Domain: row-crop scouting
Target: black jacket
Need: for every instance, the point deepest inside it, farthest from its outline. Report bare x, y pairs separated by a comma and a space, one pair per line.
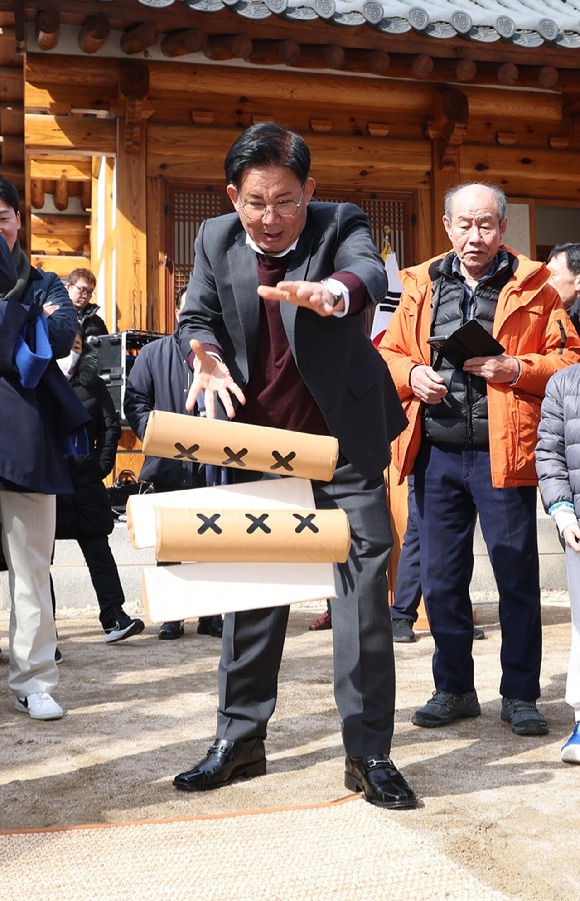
87, 513
159, 380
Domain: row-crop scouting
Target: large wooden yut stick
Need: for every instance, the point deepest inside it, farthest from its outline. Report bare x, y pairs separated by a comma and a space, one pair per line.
252, 536
239, 446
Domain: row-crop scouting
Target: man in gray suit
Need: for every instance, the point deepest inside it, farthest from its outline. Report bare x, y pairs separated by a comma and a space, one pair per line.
274, 323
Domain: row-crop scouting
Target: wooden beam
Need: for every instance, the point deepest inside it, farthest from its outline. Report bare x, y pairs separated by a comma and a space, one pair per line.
12, 119
55, 167
230, 82
179, 43
83, 135
86, 196
134, 87
59, 234
11, 150
61, 264
139, 38
270, 53
47, 29
227, 46
61, 194
134, 80
36, 187
535, 169
94, 33
508, 74
319, 56
449, 124
175, 151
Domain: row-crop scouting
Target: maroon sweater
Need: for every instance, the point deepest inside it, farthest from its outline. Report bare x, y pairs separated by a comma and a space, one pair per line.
276, 394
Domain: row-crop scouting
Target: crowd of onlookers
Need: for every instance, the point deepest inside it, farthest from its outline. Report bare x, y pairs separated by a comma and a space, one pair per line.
474, 391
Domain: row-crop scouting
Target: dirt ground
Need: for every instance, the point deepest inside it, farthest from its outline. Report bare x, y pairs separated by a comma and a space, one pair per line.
504, 807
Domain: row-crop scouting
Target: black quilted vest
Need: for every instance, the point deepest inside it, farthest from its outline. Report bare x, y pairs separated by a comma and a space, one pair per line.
461, 420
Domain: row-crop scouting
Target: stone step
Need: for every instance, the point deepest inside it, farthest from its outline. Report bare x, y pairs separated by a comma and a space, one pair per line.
73, 586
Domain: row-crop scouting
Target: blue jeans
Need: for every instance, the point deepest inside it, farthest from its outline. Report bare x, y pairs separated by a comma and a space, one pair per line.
451, 487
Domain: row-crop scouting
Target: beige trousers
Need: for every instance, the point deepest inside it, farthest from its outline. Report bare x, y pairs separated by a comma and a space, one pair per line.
28, 525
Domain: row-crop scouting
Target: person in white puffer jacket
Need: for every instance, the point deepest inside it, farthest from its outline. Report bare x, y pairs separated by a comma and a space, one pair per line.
558, 467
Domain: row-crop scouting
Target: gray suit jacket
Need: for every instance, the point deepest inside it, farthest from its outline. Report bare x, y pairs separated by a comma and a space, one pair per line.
345, 374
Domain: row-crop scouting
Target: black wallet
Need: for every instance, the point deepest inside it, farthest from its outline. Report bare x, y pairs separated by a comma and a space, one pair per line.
471, 340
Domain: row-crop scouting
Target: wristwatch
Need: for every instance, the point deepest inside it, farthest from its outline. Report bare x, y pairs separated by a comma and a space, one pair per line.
335, 292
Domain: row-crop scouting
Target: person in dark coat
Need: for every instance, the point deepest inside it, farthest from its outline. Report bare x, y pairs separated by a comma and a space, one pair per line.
160, 380
274, 324
564, 264
38, 413
86, 515
81, 285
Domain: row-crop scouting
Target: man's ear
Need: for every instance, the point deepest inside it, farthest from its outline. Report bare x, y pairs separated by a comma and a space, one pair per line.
502, 230
309, 189
577, 285
233, 195
447, 226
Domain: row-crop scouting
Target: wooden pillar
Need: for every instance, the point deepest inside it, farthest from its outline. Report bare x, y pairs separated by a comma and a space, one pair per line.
442, 179
131, 228
447, 131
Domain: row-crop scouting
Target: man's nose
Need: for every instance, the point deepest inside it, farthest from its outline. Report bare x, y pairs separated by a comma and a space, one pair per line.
270, 212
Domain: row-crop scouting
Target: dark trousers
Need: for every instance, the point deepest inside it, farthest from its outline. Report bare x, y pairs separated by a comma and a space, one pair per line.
451, 488
407, 596
105, 578
364, 679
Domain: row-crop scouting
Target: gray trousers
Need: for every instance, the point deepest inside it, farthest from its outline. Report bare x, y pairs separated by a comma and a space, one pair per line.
573, 680
364, 674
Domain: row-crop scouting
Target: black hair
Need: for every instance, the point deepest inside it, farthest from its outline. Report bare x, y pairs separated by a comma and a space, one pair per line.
572, 254
92, 325
267, 144
9, 194
179, 296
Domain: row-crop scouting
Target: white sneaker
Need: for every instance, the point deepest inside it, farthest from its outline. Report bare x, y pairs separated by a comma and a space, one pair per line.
40, 706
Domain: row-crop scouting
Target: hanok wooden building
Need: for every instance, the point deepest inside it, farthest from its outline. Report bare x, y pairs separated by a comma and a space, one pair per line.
115, 116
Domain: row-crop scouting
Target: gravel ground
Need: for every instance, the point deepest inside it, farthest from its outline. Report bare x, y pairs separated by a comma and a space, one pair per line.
504, 807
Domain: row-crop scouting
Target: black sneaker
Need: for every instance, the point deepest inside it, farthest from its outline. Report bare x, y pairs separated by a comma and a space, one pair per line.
403, 630
444, 708
171, 631
523, 717
125, 627
57, 656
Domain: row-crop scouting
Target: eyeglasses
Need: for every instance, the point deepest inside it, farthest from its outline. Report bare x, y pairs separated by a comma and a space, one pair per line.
253, 209
86, 292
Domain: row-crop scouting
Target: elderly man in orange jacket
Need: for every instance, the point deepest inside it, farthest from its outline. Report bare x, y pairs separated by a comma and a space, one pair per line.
470, 444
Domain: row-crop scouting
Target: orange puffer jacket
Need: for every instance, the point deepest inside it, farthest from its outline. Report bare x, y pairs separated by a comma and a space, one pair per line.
531, 324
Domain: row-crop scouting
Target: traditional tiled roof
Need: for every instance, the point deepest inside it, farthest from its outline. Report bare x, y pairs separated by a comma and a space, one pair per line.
526, 23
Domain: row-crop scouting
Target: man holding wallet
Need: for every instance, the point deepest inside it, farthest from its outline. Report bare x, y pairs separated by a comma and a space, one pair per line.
476, 336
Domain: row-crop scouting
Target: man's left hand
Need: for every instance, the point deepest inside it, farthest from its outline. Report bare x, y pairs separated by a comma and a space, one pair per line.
312, 295
501, 368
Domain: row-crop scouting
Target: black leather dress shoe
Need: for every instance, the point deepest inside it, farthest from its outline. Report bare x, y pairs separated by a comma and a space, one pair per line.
225, 761
380, 782
210, 625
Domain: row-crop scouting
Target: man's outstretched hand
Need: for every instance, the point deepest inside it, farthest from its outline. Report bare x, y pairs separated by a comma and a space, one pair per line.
212, 377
